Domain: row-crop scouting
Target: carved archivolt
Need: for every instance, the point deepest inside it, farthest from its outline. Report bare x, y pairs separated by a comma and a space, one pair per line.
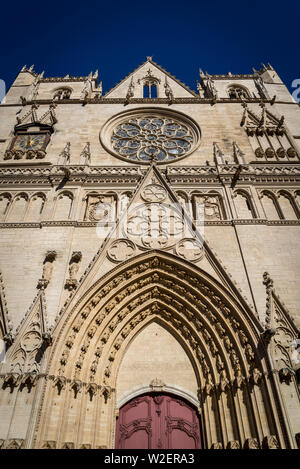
219, 336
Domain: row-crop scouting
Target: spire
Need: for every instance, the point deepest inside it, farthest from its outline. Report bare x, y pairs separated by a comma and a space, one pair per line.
86, 153
238, 155
245, 115
218, 154
130, 92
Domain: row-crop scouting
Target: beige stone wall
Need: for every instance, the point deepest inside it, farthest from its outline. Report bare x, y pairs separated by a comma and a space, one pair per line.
155, 354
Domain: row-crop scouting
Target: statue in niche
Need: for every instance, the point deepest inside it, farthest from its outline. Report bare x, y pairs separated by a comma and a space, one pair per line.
207, 206
71, 282
100, 208
124, 201
47, 269
73, 269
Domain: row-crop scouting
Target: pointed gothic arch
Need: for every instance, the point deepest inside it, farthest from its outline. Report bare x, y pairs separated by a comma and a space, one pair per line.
215, 327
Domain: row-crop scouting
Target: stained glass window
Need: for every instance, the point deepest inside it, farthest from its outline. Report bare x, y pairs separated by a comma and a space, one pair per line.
149, 138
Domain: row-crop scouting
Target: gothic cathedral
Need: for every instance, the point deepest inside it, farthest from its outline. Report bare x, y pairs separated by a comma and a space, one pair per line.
150, 262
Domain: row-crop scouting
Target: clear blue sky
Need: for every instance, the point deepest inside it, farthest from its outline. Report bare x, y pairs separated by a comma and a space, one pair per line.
115, 37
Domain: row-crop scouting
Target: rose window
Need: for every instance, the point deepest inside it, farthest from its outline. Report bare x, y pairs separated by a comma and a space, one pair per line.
152, 138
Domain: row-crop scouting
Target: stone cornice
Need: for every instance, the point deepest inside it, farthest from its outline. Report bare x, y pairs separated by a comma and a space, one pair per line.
253, 172
64, 79
80, 174
90, 224
233, 77
193, 100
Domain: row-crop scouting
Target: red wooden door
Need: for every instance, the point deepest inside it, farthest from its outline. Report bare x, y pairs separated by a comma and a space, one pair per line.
158, 421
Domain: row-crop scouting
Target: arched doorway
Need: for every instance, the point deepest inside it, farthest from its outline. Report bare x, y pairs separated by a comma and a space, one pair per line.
158, 421
219, 334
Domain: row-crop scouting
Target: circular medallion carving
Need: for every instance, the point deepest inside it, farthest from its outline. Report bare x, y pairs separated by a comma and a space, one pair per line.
121, 250
144, 136
155, 226
154, 193
190, 249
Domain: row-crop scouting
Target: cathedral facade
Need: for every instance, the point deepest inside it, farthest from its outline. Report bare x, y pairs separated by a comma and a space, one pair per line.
150, 262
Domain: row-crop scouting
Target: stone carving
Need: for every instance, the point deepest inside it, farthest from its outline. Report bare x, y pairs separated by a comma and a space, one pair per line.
154, 193
85, 155
157, 385
271, 442
49, 445
286, 375
190, 249
12, 380
130, 91
209, 86
233, 445
15, 444
101, 208
281, 333
121, 250
183, 305
65, 155
217, 446
218, 154
124, 202
68, 445
251, 443
207, 207
155, 226
62, 93
72, 282
168, 91
5, 321
267, 124
32, 339
47, 270
87, 88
